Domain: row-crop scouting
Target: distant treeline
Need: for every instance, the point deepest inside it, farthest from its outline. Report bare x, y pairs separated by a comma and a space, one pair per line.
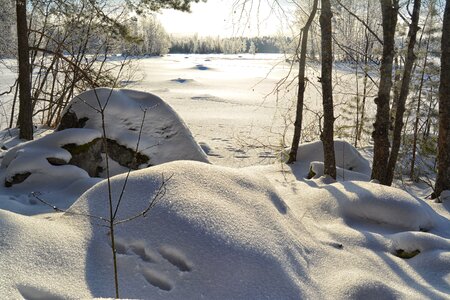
205, 45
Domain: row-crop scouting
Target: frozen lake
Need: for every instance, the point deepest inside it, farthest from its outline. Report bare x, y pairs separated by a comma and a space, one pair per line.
230, 102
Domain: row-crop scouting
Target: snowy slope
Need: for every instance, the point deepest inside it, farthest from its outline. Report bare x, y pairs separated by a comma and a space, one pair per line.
219, 233
223, 233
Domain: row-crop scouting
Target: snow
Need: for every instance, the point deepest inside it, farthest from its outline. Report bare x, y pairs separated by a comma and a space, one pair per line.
381, 204
216, 228
219, 232
61, 184
164, 137
41, 258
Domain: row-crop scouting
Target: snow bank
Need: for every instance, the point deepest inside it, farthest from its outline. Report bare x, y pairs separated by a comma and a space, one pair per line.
382, 204
222, 233
33, 157
350, 165
219, 233
164, 138
42, 259
347, 157
59, 184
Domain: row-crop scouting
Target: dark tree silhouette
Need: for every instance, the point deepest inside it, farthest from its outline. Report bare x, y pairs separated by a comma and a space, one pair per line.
443, 176
327, 138
380, 135
25, 122
301, 85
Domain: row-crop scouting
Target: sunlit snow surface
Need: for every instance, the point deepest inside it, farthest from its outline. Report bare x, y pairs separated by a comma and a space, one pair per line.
261, 232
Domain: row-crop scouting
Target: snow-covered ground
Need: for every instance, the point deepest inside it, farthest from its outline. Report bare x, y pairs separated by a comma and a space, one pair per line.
221, 231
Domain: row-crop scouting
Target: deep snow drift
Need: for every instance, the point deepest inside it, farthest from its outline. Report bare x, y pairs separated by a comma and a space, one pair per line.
224, 233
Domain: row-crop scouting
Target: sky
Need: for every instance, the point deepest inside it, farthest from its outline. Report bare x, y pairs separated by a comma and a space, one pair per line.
225, 18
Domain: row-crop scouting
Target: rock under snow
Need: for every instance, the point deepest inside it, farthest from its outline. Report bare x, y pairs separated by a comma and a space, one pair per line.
163, 137
350, 165
44, 167
45, 160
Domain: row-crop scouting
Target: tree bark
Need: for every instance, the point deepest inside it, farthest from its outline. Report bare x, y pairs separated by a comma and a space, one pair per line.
404, 91
25, 106
380, 135
301, 86
327, 138
418, 108
443, 175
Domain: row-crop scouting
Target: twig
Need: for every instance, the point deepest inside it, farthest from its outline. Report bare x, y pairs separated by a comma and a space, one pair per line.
159, 194
57, 209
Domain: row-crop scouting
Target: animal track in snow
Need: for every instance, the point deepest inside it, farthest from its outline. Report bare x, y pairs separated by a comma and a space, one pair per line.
157, 279
161, 270
139, 250
176, 258
32, 293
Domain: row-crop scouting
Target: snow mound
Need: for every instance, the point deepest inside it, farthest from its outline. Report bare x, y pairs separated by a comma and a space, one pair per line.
347, 156
34, 157
422, 241
316, 170
218, 232
41, 166
165, 137
382, 204
41, 259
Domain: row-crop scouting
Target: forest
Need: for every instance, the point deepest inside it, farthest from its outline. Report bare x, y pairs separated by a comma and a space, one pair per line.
327, 141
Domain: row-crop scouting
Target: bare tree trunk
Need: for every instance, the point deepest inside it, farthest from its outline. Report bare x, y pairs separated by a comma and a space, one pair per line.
301, 86
396, 87
355, 143
329, 161
419, 104
366, 75
25, 108
404, 90
380, 135
443, 175
13, 109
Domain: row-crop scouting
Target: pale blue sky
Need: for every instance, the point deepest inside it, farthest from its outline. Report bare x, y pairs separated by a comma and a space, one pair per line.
224, 18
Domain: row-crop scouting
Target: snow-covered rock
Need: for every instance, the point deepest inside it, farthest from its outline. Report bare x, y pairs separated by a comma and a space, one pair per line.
44, 167
350, 164
163, 137
45, 161
347, 157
